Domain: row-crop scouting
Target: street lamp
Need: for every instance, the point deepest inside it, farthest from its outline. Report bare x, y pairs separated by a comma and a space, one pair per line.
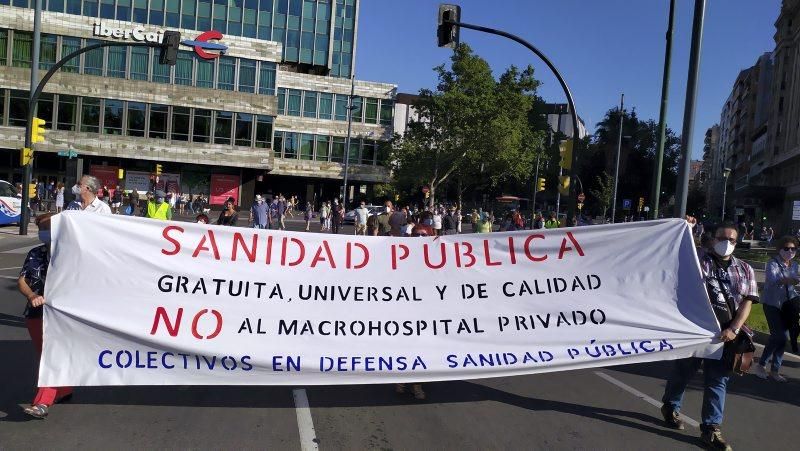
725, 174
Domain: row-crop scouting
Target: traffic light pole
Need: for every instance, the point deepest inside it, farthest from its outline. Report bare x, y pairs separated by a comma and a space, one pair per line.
572, 203
34, 98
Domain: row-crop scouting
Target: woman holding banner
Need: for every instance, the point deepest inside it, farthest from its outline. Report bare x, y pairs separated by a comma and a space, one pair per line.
31, 284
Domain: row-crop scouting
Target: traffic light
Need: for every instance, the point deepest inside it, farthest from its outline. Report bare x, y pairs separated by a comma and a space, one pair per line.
26, 156
169, 48
563, 185
641, 203
447, 32
565, 149
37, 130
540, 184
158, 169
121, 174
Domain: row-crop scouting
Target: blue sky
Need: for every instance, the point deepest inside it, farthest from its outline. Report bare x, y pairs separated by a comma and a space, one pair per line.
601, 47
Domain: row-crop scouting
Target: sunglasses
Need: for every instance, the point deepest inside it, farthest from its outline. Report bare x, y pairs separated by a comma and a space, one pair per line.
790, 249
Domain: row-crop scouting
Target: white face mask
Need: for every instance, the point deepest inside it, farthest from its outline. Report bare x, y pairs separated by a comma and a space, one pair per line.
787, 255
76, 190
724, 248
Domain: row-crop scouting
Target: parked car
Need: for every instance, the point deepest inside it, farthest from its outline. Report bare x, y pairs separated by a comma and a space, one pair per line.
350, 216
10, 204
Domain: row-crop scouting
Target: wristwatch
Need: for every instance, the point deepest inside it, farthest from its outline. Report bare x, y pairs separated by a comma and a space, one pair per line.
736, 331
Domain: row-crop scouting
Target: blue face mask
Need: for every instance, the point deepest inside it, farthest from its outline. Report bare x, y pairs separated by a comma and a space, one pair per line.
44, 236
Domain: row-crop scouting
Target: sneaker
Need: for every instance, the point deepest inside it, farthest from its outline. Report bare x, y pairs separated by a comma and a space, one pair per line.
419, 395
672, 418
760, 371
777, 377
712, 437
39, 411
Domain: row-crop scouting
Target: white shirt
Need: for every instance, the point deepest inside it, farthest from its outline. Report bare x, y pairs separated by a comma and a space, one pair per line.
437, 221
361, 215
96, 206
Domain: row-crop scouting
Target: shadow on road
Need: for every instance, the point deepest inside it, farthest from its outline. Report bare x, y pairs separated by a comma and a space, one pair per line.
11, 320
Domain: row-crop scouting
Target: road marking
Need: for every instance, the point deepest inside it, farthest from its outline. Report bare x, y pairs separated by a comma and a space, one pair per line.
9, 277
12, 267
308, 437
20, 250
793, 356
642, 396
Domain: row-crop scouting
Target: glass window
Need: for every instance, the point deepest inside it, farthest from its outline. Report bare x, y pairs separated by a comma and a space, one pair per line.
201, 132
309, 104
21, 50
173, 13
371, 111
244, 130
290, 145
158, 121
281, 100
73, 6
227, 70
19, 3
222, 127
220, 13
140, 59
205, 72
249, 18
93, 60
137, 112
306, 147
56, 6
67, 112
180, 123
112, 117
235, 17
44, 109
140, 11
183, 69
160, 71
337, 153
2, 106
3, 48
368, 152
266, 82
325, 105
358, 109
204, 14
69, 45
387, 112
247, 75
90, 115
293, 103
188, 14
90, 8
323, 148
278, 144
116, 61
107, 9
355, 144
123, 9
47, 51
156, 12
263, 131
341, 107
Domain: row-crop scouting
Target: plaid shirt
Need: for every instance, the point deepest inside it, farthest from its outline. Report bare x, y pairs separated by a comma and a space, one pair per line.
743, 278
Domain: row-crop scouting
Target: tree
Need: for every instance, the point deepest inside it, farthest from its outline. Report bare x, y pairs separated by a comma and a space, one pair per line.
604, 192
472, 128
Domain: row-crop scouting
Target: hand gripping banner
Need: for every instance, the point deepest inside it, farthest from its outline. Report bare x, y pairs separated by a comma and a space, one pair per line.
132, 301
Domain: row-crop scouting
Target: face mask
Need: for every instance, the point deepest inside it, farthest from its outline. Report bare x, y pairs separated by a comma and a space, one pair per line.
724, 248
159, 200
44, 236
786, 255
76, 190
201, 222
388, 210
260, 201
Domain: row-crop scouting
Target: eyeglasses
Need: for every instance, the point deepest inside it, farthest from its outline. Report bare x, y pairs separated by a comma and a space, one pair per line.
790, 249
730, 240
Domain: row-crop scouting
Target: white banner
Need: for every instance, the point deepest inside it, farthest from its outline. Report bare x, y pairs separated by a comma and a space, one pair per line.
196, 304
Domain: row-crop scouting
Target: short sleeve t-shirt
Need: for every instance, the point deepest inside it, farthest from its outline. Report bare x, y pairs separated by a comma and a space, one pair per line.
34, 270
259, 211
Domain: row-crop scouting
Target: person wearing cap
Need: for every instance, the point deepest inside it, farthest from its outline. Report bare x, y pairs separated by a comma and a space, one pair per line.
259, 213
158, 209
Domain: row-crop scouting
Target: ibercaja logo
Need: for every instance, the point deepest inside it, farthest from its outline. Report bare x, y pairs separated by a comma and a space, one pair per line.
204, 47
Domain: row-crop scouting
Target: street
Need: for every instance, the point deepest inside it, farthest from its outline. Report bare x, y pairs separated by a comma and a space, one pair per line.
610, 408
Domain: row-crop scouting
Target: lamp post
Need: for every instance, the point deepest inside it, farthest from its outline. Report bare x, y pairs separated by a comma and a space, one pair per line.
616, 167
725, 174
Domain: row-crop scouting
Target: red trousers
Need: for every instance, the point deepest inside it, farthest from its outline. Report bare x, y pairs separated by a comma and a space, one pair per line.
46, 395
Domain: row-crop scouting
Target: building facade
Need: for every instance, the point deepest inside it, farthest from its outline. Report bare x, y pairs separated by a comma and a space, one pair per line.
257, 102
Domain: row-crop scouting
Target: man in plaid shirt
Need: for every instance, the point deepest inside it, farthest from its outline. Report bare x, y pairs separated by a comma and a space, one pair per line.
732, 289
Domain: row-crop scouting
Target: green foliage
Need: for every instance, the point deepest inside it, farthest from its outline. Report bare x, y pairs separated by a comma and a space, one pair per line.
472, 127
604, 192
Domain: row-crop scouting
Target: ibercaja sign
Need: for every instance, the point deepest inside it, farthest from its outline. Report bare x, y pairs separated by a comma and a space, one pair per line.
206, 44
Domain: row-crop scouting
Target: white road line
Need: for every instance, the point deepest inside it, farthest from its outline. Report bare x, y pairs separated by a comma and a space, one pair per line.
20, 250
9, 277
785, 354
642, 396
12, 267
308, 437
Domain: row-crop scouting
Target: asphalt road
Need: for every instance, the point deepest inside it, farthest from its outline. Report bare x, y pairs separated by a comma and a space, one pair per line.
608, 408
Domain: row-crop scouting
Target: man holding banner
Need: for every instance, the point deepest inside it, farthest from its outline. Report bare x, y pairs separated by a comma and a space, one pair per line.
732, 290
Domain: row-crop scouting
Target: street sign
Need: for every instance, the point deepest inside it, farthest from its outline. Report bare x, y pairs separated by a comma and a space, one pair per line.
646, 209
626, 204
67, 153
581, 197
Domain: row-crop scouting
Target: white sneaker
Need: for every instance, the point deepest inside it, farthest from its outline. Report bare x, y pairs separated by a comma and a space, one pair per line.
760, 371
777, 377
